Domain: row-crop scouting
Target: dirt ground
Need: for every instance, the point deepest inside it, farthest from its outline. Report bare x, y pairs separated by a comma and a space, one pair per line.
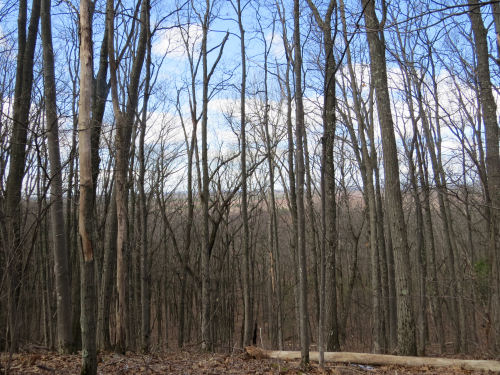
192, 362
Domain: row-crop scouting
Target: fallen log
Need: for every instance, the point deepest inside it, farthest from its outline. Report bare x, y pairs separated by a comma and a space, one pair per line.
380, 359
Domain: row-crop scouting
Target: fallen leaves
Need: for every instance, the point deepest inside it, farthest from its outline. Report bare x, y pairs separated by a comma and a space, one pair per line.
193, 363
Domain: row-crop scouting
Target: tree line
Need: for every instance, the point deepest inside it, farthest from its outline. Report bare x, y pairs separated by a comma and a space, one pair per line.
221, 173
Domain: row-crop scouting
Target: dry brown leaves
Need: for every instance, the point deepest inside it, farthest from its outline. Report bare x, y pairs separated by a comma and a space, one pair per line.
192, 362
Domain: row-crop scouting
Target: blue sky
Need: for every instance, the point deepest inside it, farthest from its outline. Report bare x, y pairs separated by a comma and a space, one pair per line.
449, 33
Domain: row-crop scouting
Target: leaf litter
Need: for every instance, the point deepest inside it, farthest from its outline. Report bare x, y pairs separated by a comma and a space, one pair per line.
194, 363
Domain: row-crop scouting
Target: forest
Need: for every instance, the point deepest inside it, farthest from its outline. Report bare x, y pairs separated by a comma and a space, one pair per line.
313, 175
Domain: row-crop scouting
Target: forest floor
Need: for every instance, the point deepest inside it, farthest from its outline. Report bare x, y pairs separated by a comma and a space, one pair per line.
193, 362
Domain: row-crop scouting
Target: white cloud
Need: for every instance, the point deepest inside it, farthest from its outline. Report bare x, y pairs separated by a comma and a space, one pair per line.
277, 46
174, 40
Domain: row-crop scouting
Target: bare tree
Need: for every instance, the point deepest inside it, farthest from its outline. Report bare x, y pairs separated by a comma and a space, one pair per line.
22, 103
248, 321
328, 204
61, 249
85, 215
143, 206
367, 161
124, 125
275, 297
489, 112
205, 21
285, 85
299, 162
375, 36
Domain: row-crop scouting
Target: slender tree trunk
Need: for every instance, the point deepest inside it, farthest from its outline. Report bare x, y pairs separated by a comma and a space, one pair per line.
61, 264
299, 161
489, 111
248, 320
22, 103
187, 233
273, 225
121, 268
329, 205
469, 245
124, 126
329, 127
85, 224
406, 322
182, 310
455, 307
429, 234
109, 264
386, 260
206, 242
495, 7
206, 339
420, 241
311, 231
101, 91
367, 164
143, 216
421, 255
72, 217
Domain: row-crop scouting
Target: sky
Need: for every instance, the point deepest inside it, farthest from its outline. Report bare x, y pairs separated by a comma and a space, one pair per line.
449, 33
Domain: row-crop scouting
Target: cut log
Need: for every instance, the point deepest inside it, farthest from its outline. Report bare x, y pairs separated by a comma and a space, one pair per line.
380, 359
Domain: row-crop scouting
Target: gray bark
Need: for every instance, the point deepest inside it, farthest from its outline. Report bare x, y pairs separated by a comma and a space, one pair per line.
273, 222
206, 242
206, 339
60, 246
106, 287
124, 124
406, 322
143, 215
248, 320
22, 103
329, 206
456, 306
85, 223
292, 196
299, 162
489, 109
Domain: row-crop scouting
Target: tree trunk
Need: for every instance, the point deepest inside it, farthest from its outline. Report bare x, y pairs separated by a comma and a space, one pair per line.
299, 162
495, 7
274, 253
429, 234
328, 202
206, 241
22, 104
143, 215
292, 195
109, 265
311, 228
60, 247
248, 320
101, 91
406, 322
206, 339
85, 224
420, 241
489, 111
456, 306
367, 165
124, 125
